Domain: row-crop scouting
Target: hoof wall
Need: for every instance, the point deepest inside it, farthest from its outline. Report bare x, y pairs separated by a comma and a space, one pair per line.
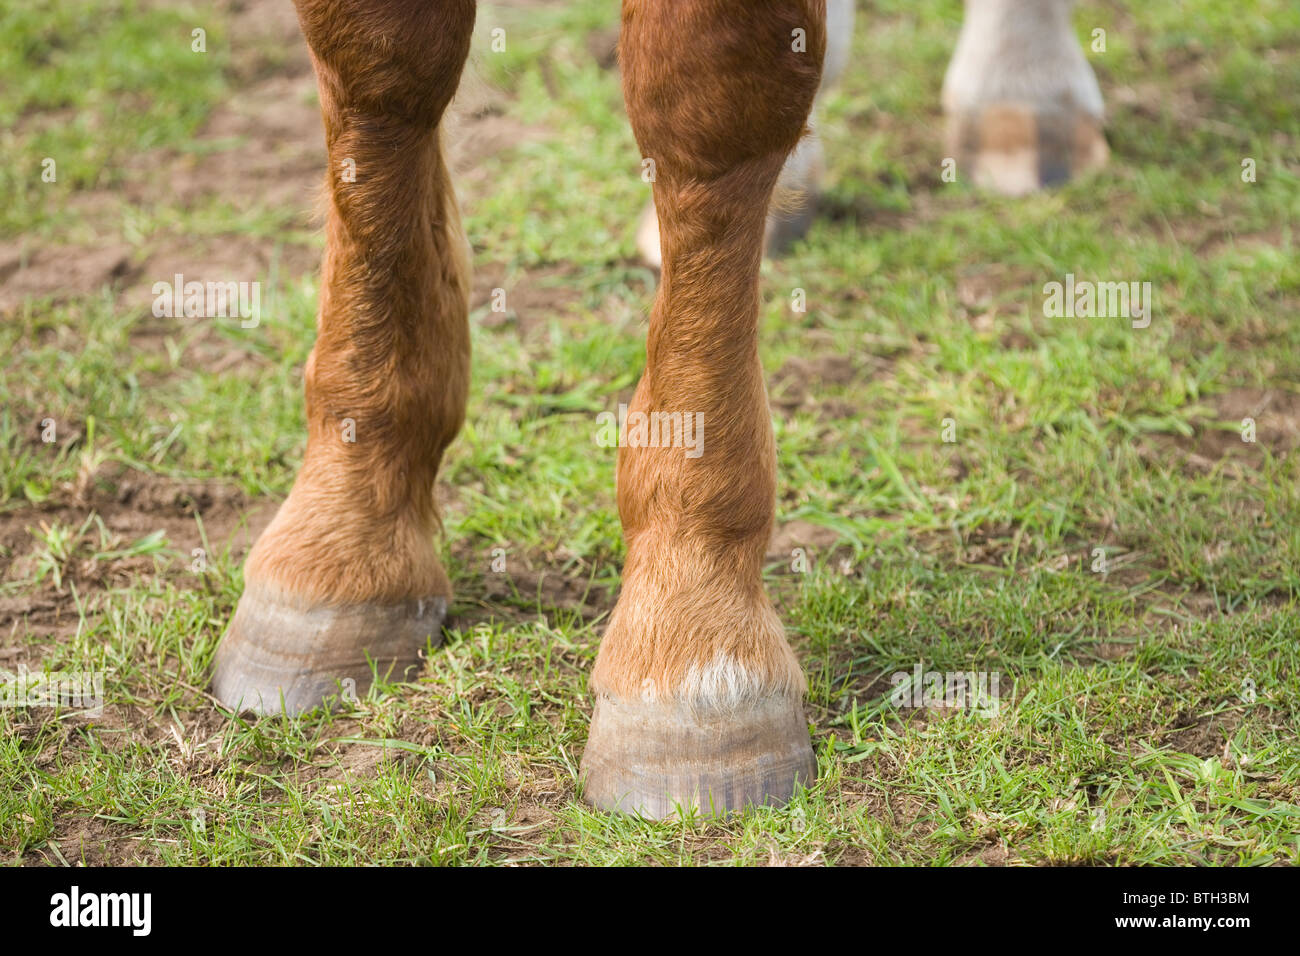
785, 227
281, 655
1013, 150
661, 758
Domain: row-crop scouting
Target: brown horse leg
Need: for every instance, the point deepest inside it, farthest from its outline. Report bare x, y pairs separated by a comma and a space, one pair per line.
347, 571
698, 696
797, 188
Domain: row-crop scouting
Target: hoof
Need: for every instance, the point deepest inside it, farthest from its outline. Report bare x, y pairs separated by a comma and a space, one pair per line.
794, 202
658, 758
786, 226
282, 655
1014, 150
647, 238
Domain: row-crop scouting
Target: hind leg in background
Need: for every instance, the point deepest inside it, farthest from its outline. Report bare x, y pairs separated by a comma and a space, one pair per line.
699, 699
1023, 107
347, 572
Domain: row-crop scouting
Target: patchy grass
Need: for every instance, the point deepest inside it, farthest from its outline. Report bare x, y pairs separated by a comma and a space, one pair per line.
1147, 711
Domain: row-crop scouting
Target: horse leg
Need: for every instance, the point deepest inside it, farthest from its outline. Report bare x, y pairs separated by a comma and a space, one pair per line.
1024, 110
347, 572
698, 695
791, 215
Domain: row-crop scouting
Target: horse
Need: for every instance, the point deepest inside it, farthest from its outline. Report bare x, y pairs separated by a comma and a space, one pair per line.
698, 698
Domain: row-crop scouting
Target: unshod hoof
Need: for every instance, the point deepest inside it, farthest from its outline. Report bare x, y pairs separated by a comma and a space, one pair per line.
660, 757
286, 655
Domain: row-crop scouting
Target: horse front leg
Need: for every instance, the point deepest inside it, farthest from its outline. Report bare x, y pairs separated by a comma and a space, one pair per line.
699, 699
347, 571
799, 185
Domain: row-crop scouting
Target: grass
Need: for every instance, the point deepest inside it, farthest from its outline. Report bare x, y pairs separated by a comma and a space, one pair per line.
1148, 712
